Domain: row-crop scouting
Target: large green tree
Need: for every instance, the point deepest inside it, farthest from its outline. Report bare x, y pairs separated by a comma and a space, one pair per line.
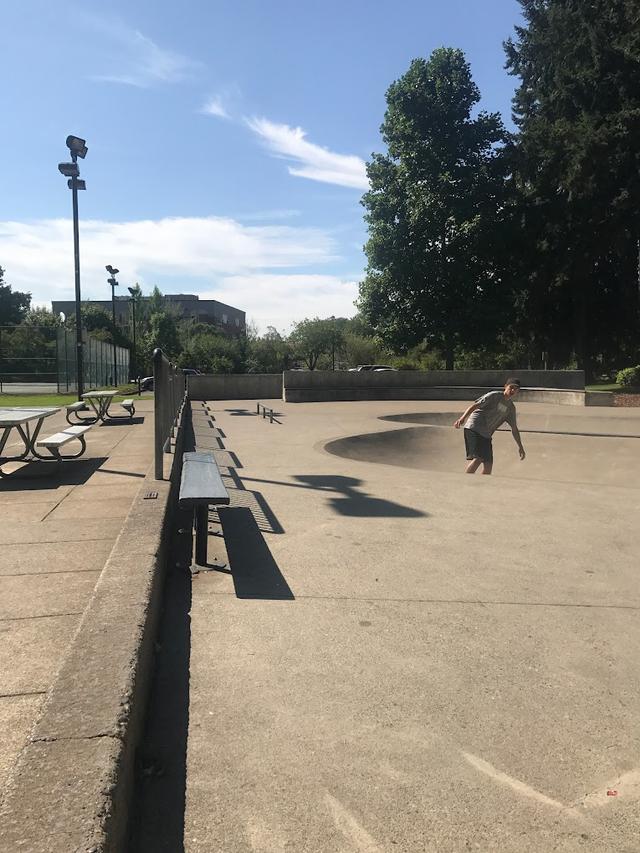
577, 166
433, 212
13, 304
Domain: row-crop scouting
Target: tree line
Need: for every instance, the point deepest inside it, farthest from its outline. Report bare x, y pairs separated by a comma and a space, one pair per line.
514, 249
323, 344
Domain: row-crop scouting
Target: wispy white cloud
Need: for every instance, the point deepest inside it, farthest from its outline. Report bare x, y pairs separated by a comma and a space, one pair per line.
313, 161
256, 268
214, 106
138, 59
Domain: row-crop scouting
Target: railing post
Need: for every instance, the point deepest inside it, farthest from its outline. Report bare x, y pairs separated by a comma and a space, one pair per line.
158, 414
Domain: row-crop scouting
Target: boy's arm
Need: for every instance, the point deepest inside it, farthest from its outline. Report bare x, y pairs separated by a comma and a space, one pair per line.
515, 432
472, 408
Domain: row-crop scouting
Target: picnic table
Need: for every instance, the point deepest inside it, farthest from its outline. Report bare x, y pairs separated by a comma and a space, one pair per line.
27, 421
99, 401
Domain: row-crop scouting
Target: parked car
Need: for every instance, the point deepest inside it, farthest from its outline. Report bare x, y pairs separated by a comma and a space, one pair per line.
191, 371
361, 367
146, 384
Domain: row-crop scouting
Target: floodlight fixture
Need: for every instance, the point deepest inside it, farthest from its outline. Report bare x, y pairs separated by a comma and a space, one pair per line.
132, 291
69, 170
77, 146
111, 270
80, 184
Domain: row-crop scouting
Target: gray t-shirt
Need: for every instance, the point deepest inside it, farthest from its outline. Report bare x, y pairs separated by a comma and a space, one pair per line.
493, 410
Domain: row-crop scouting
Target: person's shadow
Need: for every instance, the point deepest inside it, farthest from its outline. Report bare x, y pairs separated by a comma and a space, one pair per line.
350, 501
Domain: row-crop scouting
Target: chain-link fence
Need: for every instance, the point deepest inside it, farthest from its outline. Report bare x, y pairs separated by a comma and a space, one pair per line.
44, 358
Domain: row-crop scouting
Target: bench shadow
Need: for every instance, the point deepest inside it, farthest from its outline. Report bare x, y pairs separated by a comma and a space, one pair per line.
122, 421
36, 475
161, 762
255, 572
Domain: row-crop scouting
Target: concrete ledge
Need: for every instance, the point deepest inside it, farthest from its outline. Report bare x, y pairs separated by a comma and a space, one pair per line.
232, 386
559, 396
599, 398
71, 788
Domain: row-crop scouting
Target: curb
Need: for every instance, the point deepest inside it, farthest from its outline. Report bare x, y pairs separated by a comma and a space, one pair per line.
72, 785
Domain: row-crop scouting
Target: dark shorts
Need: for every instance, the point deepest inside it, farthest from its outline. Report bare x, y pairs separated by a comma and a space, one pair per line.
478, 447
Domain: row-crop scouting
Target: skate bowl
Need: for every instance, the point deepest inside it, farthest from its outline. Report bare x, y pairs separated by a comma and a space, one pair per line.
589, 450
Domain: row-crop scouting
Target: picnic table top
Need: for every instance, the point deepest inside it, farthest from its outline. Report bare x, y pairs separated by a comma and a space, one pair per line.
103, 393
14, 415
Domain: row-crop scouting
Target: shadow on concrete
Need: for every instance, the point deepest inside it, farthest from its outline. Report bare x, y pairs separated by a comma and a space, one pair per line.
115, 420
241, 413
255, 572
35, 475
355, 503
446, 419
161, 764
239, 495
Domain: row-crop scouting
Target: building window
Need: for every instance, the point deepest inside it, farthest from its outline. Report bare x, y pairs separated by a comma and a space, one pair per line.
237, 321
224, 318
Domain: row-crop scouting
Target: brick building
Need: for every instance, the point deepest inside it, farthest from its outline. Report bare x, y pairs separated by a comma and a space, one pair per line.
227, 319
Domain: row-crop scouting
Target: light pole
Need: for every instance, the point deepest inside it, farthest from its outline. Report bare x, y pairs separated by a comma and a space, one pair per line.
133, 291
333, 342
77, 148
113, 272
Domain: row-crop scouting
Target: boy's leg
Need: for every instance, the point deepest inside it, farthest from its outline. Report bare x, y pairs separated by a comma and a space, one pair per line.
487, 467
473, 466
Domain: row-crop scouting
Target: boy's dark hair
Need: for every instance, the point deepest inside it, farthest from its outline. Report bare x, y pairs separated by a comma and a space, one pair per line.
515, 382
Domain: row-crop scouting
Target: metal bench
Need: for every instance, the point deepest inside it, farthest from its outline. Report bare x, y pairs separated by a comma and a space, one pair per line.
53, 443
75, 407
129, 406
201, 486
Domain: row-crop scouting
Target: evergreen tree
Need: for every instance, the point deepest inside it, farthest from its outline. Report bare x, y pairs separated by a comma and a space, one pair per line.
577, 167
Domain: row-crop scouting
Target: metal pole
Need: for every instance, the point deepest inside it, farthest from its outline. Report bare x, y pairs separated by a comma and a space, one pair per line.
76, 262
113, 312
135, 356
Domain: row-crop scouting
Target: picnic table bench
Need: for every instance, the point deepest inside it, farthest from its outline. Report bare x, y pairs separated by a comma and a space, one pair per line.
28, 422
99, 402
201, 486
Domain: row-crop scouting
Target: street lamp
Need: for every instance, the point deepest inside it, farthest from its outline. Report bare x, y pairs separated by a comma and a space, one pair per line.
134, 292
77, 148
112, 281
333, 342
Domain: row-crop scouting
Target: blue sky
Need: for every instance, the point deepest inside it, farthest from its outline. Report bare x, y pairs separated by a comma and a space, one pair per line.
227, 140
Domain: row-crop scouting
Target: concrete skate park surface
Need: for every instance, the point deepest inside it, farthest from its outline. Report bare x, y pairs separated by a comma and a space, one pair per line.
407, 658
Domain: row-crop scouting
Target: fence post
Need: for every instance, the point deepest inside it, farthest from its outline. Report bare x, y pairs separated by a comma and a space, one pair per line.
158, 414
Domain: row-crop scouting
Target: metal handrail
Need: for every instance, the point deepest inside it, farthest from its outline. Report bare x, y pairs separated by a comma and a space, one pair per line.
265, 409
170, 393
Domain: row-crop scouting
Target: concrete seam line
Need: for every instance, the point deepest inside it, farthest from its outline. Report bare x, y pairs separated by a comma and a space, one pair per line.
84, 804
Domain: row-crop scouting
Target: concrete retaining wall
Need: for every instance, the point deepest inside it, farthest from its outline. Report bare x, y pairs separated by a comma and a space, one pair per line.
72, 787
236, 386
556, 386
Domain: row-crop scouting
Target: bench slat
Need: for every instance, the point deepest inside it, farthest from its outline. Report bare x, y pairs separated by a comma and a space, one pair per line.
201, 483
77, 407
56, 440
77, 430
127, 404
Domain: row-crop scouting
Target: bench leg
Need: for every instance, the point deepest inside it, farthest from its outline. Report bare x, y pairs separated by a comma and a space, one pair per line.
202, 532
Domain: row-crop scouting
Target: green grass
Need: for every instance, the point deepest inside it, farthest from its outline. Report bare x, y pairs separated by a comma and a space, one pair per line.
611, 386
37, 400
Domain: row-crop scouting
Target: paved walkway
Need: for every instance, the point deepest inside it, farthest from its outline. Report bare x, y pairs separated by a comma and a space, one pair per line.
410, 659
55, 537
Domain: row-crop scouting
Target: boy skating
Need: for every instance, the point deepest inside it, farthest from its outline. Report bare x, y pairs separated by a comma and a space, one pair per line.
482, 419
